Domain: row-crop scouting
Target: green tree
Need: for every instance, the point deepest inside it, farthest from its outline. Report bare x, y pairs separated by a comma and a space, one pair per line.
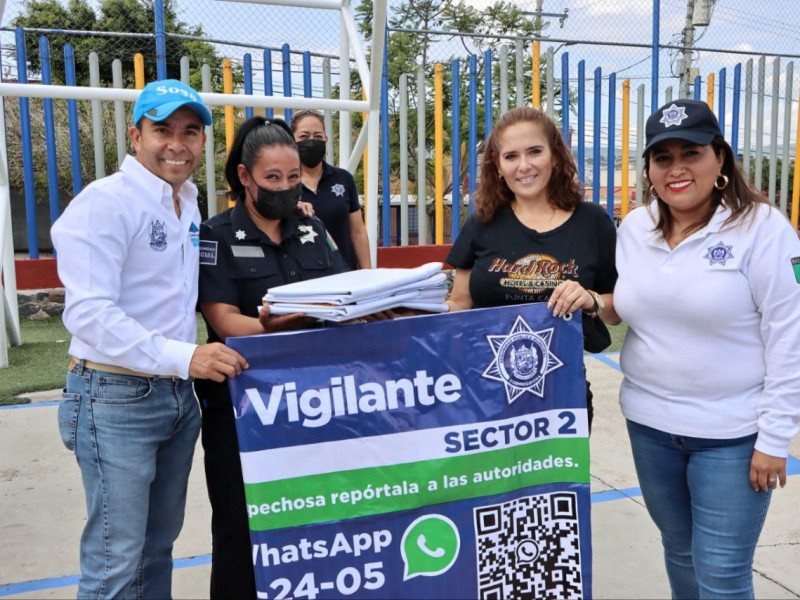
779, 166
123, 16
134, 16
412, 48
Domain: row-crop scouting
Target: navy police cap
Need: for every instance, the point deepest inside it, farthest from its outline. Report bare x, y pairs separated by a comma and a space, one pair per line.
683, 119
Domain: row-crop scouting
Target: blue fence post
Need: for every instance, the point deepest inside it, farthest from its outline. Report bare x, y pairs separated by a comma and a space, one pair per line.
386, 182
722, 97
161, 40
49, 131
582, 121
472, 146
737, 88
612, 154
27, 146
72, 113
268, 91
565, 99
248, 82
698, 82
307, 91
487, 87
597, 145
455, 206
286, 57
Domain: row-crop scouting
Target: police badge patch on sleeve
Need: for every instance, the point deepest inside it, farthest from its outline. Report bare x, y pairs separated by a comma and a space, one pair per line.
208, 252
796, 267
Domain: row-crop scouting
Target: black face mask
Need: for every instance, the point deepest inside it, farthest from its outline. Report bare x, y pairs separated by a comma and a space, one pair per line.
311, 152
277, 204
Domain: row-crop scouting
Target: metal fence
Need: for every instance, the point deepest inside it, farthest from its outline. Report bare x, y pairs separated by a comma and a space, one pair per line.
590, 64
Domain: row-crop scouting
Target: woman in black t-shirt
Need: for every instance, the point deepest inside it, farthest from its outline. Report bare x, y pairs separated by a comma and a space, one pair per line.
532, 238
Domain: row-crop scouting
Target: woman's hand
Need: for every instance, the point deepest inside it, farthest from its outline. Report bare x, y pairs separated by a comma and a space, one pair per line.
568, 297
272, 323
305, 208
767, 471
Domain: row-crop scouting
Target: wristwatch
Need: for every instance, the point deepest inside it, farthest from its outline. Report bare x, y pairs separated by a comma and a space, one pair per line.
599, 304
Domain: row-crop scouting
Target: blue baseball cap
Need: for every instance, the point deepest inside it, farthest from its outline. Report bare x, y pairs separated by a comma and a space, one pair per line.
159, 99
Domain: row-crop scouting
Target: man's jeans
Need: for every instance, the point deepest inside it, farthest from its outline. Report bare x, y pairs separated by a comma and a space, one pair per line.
134, 438
698, 493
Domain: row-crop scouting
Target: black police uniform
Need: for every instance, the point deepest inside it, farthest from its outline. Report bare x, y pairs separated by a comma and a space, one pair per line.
334, 201
238, 264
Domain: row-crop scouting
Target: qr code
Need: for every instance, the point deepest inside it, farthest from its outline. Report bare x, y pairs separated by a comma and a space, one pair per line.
529, 548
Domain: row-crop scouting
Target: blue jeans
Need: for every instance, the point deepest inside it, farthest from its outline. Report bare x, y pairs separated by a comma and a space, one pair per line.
698, 493
134, 438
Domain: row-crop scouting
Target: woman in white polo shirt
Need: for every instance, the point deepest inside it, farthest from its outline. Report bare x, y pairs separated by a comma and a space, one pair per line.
709, 284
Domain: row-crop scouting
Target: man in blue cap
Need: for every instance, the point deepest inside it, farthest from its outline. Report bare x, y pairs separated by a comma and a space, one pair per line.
128, 255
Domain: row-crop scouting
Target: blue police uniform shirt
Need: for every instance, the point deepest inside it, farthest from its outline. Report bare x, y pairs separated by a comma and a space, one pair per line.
335, 199
239, 263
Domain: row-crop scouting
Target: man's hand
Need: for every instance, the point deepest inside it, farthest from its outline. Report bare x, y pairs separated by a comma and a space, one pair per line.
216, 361
274, 323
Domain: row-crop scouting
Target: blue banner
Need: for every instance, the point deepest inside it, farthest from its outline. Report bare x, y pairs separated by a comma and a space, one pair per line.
441, 456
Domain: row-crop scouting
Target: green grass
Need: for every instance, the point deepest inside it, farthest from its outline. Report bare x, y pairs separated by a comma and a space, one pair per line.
617, 335
40, 363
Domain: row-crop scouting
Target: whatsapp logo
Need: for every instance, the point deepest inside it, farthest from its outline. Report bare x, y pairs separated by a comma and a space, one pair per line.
430, 546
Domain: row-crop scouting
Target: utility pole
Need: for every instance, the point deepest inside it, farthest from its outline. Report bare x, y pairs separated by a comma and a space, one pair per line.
688, 42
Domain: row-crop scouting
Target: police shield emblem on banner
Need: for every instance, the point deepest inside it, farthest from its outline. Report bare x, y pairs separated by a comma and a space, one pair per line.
439, 456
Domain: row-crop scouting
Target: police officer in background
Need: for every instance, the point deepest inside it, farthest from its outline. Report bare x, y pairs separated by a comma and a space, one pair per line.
128, 251
260, 243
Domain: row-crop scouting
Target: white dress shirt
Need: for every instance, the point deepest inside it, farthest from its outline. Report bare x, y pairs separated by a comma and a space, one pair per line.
130, 269
713, 344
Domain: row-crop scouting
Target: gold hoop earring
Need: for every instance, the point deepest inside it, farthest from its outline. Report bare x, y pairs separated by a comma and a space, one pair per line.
724, 182
653, 193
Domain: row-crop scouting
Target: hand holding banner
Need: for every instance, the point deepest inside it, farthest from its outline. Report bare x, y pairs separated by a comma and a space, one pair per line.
438, 456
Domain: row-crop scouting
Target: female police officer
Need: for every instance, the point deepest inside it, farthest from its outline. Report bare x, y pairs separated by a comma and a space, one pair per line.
259, 243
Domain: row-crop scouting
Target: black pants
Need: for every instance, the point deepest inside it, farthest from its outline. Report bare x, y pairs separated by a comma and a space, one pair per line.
231, 552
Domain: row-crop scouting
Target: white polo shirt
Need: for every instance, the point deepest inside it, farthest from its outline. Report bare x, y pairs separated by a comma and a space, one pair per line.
130, 269
713, 345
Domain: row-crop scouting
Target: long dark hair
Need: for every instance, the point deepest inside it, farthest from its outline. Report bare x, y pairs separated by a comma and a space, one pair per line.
493, 193
737, 195
254, 135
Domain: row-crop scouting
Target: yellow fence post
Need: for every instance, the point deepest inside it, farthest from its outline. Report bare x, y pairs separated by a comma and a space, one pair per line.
138, 70
796, 184
626, 124
227, 88
536, 80
710, 93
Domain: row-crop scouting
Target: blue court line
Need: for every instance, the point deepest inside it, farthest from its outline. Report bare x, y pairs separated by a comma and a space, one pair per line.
30, 405
39, 585
603, 357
